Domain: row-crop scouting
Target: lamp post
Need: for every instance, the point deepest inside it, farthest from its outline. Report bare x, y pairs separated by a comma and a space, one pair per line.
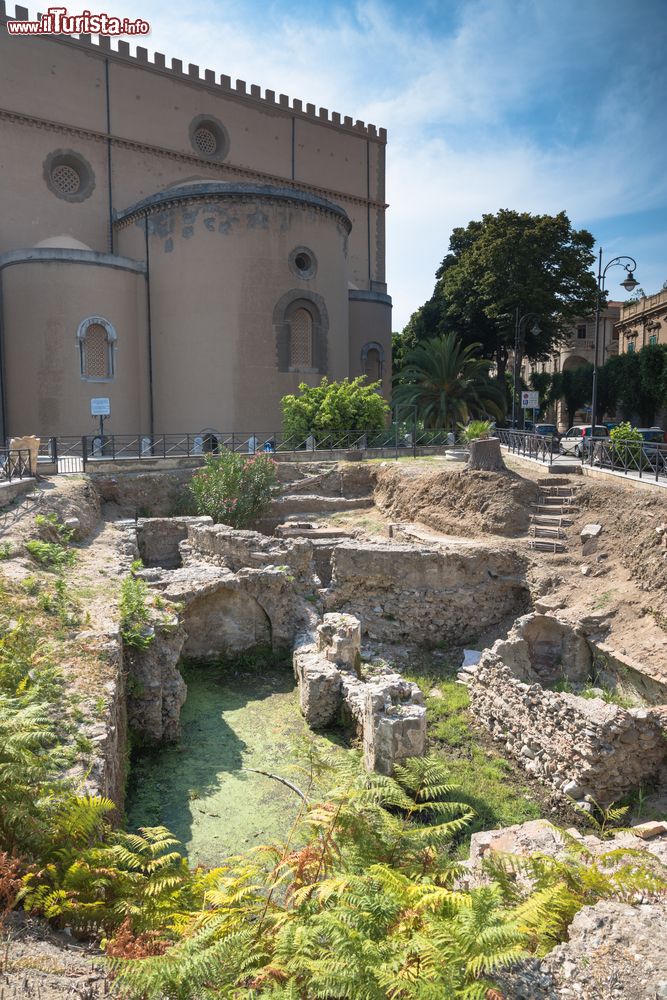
519, 321
629, 283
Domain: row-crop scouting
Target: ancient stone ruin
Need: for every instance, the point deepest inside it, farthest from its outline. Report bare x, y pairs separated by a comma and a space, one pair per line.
535, 691
387, 711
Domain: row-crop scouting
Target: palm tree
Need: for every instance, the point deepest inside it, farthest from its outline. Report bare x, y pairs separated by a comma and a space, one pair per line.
448, 383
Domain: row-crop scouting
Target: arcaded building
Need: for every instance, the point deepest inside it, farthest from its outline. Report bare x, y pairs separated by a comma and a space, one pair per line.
186, 246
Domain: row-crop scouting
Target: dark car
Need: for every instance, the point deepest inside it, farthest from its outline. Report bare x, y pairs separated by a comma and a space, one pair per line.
654, 443
548, 431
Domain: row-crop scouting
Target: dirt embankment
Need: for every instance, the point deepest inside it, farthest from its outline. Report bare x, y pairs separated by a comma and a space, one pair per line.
457, 502
634, 531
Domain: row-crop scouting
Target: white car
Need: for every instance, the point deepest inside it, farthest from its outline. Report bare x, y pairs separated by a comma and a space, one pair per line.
575, 442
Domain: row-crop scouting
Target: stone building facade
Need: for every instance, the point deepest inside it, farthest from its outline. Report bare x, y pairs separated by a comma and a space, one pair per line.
643, 322
186, 246
577, 349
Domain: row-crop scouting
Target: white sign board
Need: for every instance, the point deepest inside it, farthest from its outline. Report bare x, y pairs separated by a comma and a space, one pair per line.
100, 407
530, 400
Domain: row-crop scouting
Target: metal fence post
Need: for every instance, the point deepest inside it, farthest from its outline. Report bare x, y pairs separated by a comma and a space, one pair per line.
84, 451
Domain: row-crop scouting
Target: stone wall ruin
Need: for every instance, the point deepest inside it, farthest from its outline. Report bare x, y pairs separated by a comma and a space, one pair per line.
405, 592
581, 746
386, 711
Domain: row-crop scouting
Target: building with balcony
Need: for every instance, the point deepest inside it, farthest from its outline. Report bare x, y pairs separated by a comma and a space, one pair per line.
578, 349
642, 323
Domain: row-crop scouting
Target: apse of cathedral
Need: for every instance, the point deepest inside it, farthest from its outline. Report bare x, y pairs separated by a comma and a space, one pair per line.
189, 247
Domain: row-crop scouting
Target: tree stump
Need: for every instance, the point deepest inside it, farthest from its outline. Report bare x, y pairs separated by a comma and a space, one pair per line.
485, 455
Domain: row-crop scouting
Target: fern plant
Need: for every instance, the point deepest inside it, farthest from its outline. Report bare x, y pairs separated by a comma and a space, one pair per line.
135, 626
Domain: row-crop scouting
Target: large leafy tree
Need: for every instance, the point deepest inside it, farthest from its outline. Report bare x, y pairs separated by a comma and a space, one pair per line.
448, 382
507, 262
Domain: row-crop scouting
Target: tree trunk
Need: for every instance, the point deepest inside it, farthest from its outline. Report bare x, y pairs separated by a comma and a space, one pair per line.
485, 455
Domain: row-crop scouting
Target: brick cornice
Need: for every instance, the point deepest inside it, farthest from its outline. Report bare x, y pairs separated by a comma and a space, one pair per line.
216, 168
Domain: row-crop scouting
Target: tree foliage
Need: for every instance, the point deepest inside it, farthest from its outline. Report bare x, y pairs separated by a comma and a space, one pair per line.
448, 383
332, 408
507, 262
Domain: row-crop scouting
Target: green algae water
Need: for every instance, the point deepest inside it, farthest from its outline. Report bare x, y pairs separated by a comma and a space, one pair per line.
233, 718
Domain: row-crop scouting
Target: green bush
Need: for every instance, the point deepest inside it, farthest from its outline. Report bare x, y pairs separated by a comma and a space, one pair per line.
51, 549
52, 530
332, 408
51, 555
233, 489
626, 445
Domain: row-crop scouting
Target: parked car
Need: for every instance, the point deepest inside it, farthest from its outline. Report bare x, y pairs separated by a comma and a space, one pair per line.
653, 435
548, 431
655, 447
575, 441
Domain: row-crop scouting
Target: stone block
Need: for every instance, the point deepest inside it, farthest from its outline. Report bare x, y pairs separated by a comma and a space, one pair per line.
590, 531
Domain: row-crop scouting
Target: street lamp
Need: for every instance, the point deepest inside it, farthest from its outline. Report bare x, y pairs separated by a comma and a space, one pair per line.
535, 330
629, 283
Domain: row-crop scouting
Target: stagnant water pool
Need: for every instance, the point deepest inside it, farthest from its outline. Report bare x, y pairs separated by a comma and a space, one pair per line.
233, 718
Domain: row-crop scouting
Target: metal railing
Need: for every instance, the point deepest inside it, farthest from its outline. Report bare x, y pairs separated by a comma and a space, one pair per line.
14, 464
646, 459
528, 445
75, 454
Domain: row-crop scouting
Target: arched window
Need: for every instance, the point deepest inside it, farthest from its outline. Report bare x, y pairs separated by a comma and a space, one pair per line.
96, 338
372, 361
301, 339
373, 365
300, 325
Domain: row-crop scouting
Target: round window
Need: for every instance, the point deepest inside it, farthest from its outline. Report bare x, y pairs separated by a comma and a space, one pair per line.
68, 175
302, 262
66, 179
209, 138
205, 141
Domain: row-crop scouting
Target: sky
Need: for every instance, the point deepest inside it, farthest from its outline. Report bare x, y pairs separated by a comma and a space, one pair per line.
533, 105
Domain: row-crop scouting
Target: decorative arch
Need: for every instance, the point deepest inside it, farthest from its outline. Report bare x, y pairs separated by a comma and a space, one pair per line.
96, 338
573, 362
372, 361
301, 325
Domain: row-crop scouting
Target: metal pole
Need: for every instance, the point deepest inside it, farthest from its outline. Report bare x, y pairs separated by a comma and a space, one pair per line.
594, 399
516, 359
414, 431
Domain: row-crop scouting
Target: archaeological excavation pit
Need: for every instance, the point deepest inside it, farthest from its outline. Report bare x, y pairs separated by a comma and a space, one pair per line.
558, 701
244, 598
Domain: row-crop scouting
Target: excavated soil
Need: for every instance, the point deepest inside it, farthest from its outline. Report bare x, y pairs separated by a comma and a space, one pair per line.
631, 519
456, 502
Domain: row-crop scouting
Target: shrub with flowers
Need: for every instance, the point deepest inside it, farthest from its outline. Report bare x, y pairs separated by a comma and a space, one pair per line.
233, 489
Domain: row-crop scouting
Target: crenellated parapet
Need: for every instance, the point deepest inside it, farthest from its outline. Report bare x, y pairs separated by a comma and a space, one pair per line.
208, 79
